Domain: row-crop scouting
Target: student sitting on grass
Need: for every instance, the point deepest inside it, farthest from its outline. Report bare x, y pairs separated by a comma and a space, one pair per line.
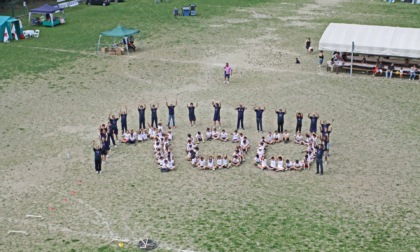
226, 163
297, 166
289, 165
285, 136
223, 136
209, 135
263, 163
270, 138
210, 163
276, 137
132, 138
299, 138
235, 137
280, 165
257, 160
219, 162
273, 164
235, 161
215, 134
245, 145
199, 137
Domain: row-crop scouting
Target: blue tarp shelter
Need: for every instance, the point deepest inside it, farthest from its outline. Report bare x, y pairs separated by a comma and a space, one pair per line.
47, 9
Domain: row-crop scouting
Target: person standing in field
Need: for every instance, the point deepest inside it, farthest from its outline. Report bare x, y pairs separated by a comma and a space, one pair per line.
259, 112
228, 73
299, 119
97, 150
314, 119
280, 119
321, 58
241, 109
191, 113
216, 117
171, 110
114, 127
154, 114
123, 115
308, 44
142, 122
319, 155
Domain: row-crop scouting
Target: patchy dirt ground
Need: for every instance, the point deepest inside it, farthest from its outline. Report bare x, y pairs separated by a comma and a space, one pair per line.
367, 200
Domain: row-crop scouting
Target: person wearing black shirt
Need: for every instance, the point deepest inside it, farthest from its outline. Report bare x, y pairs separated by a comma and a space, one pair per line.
114, 127
241, 109
308, 45
299, 119
216, 117
314, 118
97, 150
259, 112
142, 122
191, 113
280, 119
171, 110
123, 115
319, 154
154, 114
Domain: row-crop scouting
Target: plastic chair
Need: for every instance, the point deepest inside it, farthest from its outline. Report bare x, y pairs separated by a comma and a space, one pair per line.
36, 34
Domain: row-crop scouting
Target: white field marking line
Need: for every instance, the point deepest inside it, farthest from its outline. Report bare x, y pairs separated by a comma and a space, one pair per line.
56, 50
17, 232
100, 216
34, 216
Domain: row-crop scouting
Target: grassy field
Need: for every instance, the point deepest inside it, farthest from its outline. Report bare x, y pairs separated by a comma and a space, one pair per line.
56, 90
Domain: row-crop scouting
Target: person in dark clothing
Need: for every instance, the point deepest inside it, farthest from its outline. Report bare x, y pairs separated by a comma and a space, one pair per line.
299, 119
142, 122
259, 112
241, 109
171, 110
97, 150
308, 45
216, 117
123, 115
191, 113
319, 154
154, 114
111, 134
280, 119
114, 127
314, 119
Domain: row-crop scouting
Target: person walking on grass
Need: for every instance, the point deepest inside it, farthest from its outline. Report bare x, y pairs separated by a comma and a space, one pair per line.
191, 113
280, 119
216, 117
171, 110
123, 114
154, 109
319, 154
142, 122
241, 109
97, 150
259, 112
308, 45
228, 73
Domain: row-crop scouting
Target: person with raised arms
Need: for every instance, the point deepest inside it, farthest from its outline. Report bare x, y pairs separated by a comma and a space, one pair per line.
191, 113
259, 114
171, 110
318, 158
314, 118
154, 109
114, 128
241, 109
123, 115
280, 119
216, 117
142, 122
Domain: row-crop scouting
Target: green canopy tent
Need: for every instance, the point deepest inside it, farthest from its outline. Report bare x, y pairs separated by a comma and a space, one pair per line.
118, 32
6, 27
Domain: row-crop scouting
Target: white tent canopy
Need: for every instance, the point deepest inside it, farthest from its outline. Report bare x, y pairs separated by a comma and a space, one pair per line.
370, 39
